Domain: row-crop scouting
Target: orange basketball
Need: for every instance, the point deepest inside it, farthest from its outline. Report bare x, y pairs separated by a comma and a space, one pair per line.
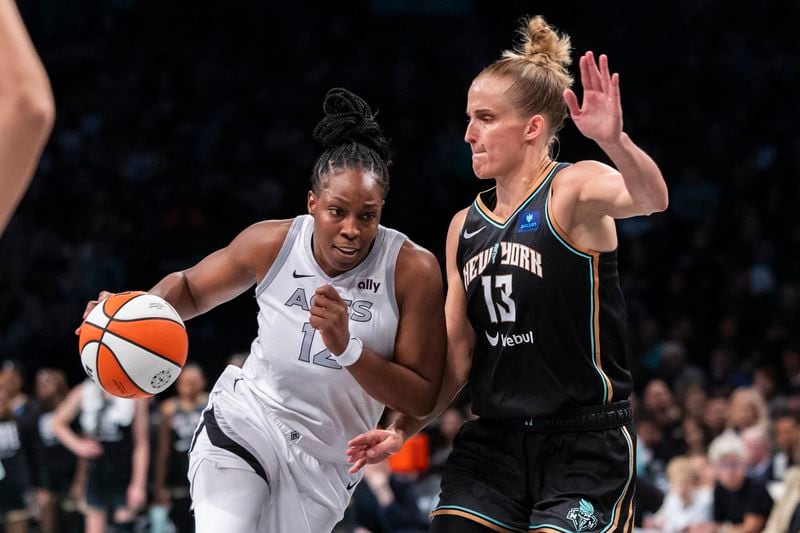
133, 345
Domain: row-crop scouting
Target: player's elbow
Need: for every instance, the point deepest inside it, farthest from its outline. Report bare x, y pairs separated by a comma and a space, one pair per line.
661, 203
36, 111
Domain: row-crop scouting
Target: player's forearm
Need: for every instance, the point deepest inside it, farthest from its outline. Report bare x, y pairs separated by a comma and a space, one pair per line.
68, 438
176, 290
141, 457
394, 385
410, 425
642, 176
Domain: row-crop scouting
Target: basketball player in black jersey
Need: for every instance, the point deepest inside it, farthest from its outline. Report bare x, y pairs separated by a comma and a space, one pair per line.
535, 314
27, 111
179, 418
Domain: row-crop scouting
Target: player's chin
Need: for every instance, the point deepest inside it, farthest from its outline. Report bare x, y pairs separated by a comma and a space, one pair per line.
344, 261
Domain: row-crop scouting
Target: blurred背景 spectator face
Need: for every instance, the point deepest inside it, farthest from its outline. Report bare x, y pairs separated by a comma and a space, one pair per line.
730, 471
715, 415
786, 434
191, 382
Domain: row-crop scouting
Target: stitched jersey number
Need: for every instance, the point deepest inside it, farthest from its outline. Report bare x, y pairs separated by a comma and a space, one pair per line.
505, 308
321, 358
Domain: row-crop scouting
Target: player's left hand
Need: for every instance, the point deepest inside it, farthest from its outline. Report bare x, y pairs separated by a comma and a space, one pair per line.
373, 447
330, 316
600, 116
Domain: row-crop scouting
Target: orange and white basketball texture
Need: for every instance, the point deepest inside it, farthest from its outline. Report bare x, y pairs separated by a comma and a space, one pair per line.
133, 345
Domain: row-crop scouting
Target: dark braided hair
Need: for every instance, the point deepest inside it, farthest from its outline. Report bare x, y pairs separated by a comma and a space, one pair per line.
351, 138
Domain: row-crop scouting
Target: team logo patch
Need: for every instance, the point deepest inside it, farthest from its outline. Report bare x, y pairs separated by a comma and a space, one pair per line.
582, 517
529, 221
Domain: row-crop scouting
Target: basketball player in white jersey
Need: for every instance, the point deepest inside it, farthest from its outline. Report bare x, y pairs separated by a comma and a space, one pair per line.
350, 320
27, 111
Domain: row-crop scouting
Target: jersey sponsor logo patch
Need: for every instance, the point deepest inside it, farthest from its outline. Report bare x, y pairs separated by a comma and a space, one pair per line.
296, 275
471, 234
351, 484
508, 341
529, 221
582, 517
294, 435
368, 284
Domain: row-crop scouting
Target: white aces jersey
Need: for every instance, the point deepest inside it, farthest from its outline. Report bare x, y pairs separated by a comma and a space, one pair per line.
294, 374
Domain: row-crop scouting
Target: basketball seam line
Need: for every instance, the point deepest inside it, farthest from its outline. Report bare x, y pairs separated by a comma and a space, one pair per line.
148, 318
151, 352
100, 342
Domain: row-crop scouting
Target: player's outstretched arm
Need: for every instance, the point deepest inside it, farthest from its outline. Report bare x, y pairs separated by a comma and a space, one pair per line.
221, 276
27, 111
636, 186
376, 445
226, 273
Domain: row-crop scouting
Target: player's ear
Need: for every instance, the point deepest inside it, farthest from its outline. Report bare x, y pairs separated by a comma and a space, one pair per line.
534, 128
312, 202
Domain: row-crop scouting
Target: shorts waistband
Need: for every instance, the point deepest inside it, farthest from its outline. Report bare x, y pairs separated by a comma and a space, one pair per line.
594, 418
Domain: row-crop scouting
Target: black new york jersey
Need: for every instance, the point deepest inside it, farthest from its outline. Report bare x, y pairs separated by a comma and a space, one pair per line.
549, 318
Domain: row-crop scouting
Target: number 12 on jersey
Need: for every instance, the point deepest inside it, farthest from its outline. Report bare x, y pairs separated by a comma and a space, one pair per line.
505, 308
321, 358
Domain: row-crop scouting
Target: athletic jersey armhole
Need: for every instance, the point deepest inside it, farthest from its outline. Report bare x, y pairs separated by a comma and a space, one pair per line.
559, 233
283, 254
392, 252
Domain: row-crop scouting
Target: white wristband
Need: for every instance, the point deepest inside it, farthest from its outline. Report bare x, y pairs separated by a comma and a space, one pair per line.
351, 353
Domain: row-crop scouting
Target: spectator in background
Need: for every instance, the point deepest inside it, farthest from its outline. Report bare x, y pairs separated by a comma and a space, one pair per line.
115, 442
659, 404
27, 111
180, 416
757, 454
15, 475
747, 408
715, 416
694, 436
62, 487
740, 503
787, 444
449, 425
688, 503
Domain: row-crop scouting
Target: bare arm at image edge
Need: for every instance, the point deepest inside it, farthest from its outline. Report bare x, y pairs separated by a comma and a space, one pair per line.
27, 110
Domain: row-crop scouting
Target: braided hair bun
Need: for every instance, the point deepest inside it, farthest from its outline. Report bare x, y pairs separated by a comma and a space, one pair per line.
348, 119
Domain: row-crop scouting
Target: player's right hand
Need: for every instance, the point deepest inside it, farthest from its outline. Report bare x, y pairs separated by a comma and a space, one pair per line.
91, 305
373, 447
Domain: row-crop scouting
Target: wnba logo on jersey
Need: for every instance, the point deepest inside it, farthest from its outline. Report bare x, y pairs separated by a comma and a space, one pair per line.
368, 284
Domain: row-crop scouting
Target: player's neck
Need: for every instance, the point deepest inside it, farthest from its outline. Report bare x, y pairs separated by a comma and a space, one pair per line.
518, 185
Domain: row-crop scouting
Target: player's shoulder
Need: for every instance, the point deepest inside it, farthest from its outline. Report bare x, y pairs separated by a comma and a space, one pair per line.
261, 240
417, 262
580, 172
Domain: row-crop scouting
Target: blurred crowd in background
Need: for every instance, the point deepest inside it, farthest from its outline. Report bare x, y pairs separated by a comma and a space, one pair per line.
180, 125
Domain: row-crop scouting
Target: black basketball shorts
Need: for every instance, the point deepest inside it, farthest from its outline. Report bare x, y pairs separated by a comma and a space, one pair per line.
510, 478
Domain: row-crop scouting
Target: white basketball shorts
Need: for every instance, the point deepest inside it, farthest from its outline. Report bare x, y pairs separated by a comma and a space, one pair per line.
247, 475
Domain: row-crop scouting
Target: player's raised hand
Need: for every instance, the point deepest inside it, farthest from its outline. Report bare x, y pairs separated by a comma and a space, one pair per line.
91, 305
599, 117
373, 447
330, 316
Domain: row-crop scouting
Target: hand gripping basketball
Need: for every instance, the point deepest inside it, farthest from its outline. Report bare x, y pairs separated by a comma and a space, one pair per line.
132, 344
